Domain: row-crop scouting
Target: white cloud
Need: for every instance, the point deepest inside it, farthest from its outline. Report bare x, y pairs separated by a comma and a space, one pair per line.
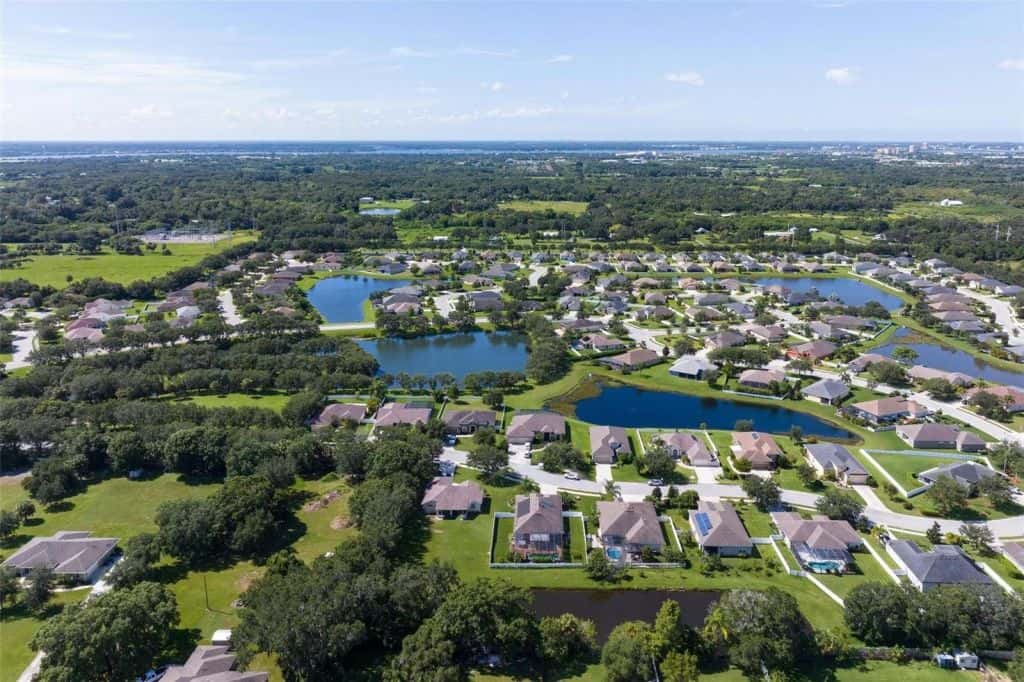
561, 59
407, 52
495, 86
841, 75
114, 69
149, 112
685, 77
1012, 64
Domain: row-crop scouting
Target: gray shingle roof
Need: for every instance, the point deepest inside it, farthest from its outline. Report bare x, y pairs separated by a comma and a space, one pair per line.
944, 565
834, 456
67, 552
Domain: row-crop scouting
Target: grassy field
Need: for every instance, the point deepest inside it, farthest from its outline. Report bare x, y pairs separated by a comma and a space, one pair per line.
867, 570
574, 208
270, 401
114, 267
18, 626
904, 467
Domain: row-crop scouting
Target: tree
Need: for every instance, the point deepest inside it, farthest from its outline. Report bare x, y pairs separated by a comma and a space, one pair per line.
117, 636
301, 408
489, 617
10, 586
141, 552
489, 459
680, 666
878, 613
889, 373
566, 638
127, 451
599, 568
9, 522
626, 655
1015, 669
426, 656
671, 634
765, 493
561, 455
612, 490
934, 533
905, 354
659, 463
978, 537
52, 479
760, 628
948, 495
39, 588
940, 389
25, 510
493, 399
837, 504
808, 475
997, 489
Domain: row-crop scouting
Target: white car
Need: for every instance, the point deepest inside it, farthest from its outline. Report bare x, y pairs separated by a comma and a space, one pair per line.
655, 482
571, 475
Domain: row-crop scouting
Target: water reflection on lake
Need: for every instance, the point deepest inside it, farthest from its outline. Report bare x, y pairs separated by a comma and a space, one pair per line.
340, 299
847, 291
457, 354
952, 360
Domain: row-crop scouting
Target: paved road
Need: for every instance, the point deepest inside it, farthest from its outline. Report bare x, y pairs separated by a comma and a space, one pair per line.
24, 344
228, 309
1005, 318
536, 272
646, 338
341, 326
957, 411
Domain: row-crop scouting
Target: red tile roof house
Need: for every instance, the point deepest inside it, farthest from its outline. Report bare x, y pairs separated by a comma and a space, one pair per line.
392, 414
538, 528
717, 528
761, 378
446, 498
681, 444
468, 421
338, 414
1012, 398
542, 425
888, 410
939, 437
607, 442
636, 358
759, 449
821, 545
629, 525
69, 553
812, 350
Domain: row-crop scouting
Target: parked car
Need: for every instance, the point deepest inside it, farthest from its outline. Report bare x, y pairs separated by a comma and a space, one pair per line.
655, 482
571, 475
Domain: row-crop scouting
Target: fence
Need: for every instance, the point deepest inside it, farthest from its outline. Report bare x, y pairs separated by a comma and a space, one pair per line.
529, 564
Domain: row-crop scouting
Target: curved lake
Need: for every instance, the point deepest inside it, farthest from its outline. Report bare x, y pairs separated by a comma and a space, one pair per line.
640, 408
457, 354
608, 608
952, 360
340, 299
848, 291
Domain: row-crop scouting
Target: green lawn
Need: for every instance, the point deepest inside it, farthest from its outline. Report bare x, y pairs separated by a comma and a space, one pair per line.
574, 208
19, 626
904, 467
868, 671
757, 523
867, 570
270, 401
114, 267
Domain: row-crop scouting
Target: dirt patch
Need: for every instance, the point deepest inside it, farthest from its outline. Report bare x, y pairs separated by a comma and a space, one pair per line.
340, 523
246, 580
321, 502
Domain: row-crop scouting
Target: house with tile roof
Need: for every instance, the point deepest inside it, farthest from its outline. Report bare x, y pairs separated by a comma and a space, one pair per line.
630, 525
943, 565
717, 528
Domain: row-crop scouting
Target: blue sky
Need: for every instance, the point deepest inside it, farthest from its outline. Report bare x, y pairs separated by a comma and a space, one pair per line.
496, 71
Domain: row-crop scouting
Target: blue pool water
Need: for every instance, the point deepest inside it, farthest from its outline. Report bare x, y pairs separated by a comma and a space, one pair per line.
340, 299
638, 408
614, 553
848, 291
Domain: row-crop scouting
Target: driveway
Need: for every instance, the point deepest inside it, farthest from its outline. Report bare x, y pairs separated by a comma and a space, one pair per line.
24, 344
228, 309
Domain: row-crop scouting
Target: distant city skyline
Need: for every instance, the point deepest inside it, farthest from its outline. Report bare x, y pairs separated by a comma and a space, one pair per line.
790, 71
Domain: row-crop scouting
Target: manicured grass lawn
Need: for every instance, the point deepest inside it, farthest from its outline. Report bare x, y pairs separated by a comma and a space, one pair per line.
1001, 565
577, 549
904, 467
757, 523
878, 547
270, 401
579, 434
115, 267
19, 626
867, 570
868, 671
574, 208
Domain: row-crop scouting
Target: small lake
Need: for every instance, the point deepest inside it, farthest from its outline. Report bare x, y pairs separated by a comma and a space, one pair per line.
952, 360
608, 608
848, 291
639, 408
380, 211
340, 299
457, 354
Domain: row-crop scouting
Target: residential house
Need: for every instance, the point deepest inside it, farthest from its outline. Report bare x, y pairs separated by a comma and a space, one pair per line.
724, 339
655, 312
1011, 397
681, 444
691, 367
967, 474
888, 410
337, 414
701, 314
826, 391
526, 427
939, 437
829, 457
711, 299
761, 378
770, 334
717, 528
829, 332
820, 544
73, 554
469, 421
633, 526
943, 565
481, 301
922, 373
862, 362
538, 527
392, 414
636, 358
582, 326
814, 351
601, 343
211, 664
760, 449
607, 442
444, 497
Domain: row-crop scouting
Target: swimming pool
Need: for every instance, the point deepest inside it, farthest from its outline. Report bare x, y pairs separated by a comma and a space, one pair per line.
614, 553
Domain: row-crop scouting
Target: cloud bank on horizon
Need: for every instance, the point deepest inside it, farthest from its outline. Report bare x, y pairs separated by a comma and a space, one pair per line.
79, 71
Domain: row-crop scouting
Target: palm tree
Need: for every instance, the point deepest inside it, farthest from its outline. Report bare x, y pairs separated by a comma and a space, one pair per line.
612, 490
